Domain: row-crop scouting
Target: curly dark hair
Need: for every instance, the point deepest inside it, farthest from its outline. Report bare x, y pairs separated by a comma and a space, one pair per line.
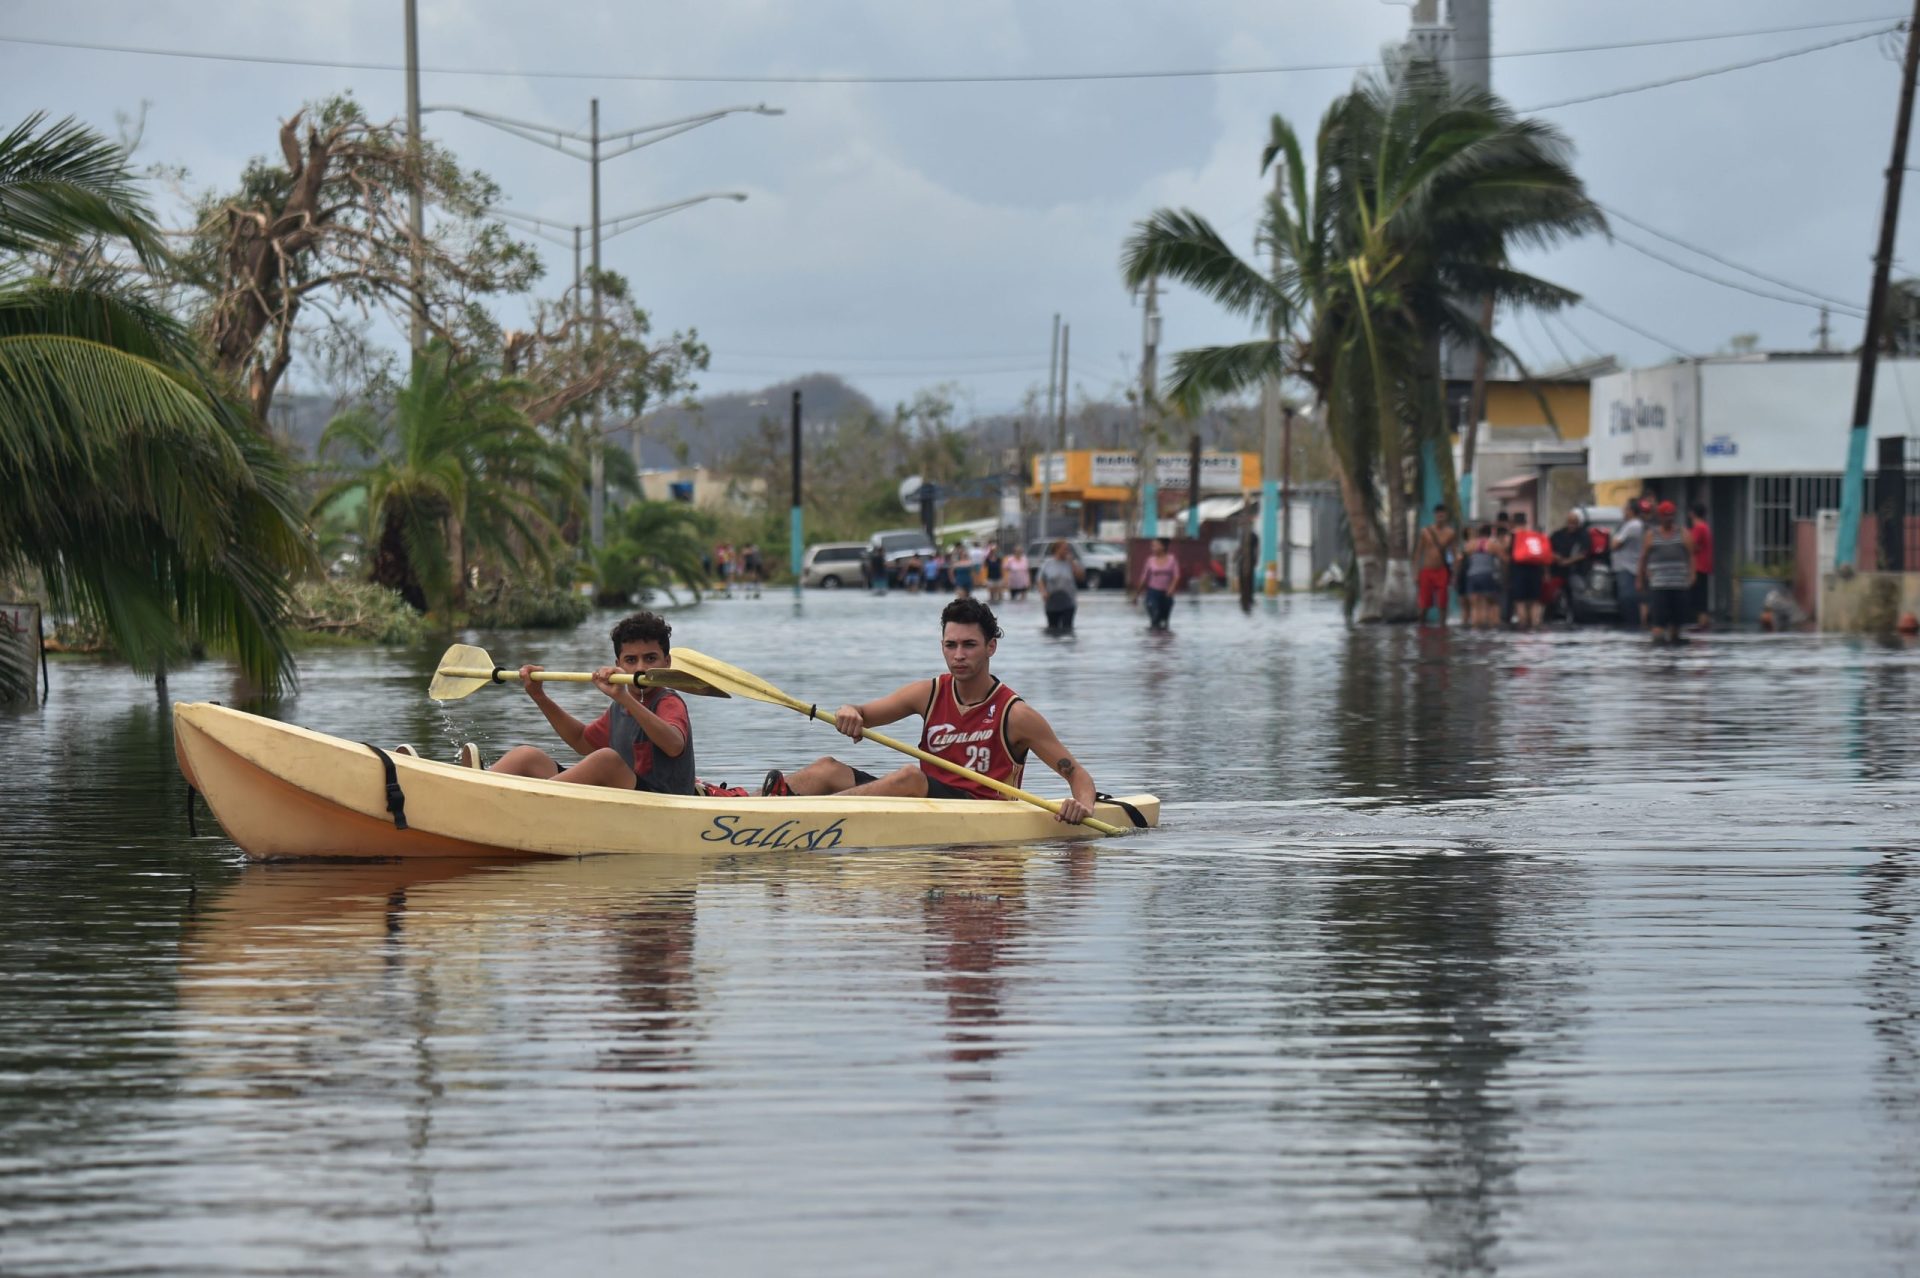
970, 612
643, 627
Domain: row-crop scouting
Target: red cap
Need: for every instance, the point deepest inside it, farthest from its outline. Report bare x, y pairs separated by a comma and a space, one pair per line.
1666, 508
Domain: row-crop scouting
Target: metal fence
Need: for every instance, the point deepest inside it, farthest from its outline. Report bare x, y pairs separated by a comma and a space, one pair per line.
1775, 503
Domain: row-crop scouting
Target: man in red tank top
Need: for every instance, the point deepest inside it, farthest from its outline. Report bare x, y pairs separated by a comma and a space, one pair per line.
971, 718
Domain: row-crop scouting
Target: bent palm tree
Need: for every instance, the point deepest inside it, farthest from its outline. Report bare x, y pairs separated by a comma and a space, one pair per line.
1417, 192
454, 463
137, 490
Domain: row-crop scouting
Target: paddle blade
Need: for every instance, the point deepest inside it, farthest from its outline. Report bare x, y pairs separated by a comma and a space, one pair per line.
683, 681
719, 674
463, 657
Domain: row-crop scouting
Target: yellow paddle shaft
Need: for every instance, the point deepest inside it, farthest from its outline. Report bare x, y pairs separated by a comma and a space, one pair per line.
1012, 792
504, 675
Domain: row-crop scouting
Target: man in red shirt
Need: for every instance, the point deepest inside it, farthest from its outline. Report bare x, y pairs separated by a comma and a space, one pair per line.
971, 718
1702, 538
642, 742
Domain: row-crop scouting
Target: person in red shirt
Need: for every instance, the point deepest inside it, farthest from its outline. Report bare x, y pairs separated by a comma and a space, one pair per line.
970, 717
642, 742
1702, 538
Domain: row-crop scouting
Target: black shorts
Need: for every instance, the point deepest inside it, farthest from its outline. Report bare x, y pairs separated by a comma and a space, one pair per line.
1669, 608
1701, 586
936, 788
1523, 584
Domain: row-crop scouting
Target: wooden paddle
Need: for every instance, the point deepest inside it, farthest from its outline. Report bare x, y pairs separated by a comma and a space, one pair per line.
465, 669
740, 683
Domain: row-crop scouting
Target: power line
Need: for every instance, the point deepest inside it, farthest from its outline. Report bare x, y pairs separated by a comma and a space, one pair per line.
1712, 71
1725, 261
1585, 345
1049, 77
1632, 327
1846, 308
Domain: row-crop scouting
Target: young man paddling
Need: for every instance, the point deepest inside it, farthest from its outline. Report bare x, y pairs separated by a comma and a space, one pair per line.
643, 742
970, 717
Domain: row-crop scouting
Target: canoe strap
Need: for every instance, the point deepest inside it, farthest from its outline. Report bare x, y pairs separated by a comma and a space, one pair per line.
396, 797
1133, 813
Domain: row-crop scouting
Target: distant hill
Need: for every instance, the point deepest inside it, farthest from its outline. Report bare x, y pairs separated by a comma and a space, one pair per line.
722, 423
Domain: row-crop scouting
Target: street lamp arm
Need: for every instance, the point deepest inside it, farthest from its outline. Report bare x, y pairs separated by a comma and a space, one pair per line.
685, 122
545, 135
540, 226
640, 217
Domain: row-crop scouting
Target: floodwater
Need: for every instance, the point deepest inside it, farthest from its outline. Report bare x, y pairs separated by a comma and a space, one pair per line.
1456, 954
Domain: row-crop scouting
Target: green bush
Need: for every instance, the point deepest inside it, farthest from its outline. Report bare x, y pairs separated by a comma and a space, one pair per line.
355, 610
528, 606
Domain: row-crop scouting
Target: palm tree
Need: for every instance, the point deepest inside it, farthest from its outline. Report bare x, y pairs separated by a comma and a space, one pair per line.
137, 490
454, 465
1418, 191
655, 544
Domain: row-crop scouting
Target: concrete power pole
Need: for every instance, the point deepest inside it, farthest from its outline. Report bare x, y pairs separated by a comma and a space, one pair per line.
1046, 452
1149, 455
596, 460
1851, 491
416, 218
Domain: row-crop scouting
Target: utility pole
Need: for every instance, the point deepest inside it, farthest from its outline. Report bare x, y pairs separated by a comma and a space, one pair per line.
416, 218
1825, 331
1149, 455
1046, 453
1851, 492
796, 519
1193, 486
1275, 525
1066, 332
596, 460
1286, 498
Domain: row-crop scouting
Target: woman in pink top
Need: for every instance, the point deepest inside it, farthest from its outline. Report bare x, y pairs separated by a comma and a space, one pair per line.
1160, 576
1019, 574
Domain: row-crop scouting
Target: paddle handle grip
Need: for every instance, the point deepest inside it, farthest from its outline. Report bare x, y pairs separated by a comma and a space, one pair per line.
500, 674
1012, 792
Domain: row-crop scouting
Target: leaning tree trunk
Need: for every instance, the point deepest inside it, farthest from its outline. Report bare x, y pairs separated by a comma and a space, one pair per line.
1369, 555
1396, 595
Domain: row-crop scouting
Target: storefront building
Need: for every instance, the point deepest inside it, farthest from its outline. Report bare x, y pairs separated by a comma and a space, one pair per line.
1762, 439
1101, 487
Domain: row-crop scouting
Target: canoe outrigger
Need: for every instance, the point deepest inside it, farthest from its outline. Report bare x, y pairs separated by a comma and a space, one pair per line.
285, 791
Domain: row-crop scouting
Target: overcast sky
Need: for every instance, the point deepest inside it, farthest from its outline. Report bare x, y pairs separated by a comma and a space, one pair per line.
908, 235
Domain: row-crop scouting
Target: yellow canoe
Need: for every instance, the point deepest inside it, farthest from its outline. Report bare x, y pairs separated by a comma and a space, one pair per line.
285, 791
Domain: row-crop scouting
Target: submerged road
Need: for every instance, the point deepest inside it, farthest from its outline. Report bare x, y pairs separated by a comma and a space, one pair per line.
1530, 954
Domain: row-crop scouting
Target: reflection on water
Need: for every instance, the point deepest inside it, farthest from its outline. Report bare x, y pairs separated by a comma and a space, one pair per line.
1457, 954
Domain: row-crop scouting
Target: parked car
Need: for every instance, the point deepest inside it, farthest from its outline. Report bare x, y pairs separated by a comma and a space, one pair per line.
833, 564
900, 545
1105, 562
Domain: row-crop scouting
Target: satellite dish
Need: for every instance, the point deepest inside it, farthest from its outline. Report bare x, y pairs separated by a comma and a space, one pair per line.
910, 492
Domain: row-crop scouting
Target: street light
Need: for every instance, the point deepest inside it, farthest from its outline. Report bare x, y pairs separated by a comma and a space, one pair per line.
628, 140
548, 229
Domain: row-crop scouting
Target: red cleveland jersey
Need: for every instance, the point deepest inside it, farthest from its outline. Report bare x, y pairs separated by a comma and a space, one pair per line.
973, 736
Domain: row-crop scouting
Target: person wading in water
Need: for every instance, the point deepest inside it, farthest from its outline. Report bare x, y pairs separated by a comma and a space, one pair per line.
1666, 577
1159, 577
1438, 543
971, 718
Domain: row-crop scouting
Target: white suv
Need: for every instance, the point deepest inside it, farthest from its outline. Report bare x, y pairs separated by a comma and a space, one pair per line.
833, 564
1104, 562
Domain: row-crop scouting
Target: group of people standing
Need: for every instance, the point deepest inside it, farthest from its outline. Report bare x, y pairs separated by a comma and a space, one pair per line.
964, 567
742, 565
1508, 573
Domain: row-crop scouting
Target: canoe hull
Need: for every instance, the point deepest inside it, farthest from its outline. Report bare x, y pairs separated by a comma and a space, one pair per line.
284, 791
